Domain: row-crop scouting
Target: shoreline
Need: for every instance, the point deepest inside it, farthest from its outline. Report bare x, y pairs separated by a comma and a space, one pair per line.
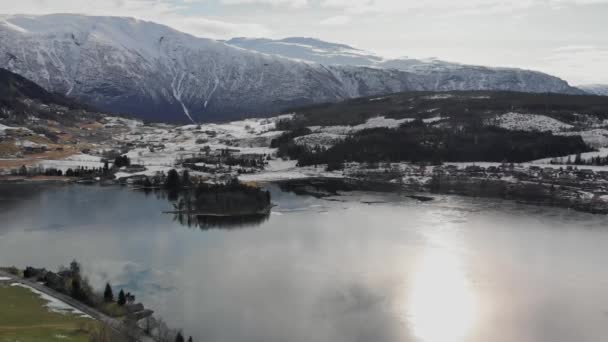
525, 192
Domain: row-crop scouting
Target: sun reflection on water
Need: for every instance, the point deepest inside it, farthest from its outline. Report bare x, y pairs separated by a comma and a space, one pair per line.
442, 306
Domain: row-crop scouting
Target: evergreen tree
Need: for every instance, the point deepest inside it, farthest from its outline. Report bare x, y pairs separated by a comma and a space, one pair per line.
172, 181
108, 295
190, 339
186, 177
77, 291
179, 337
122, 299
75, 268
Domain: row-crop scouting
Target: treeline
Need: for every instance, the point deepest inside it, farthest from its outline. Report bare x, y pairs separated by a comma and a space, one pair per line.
419, 142
78, 172
173, 180
455, 104
578, 160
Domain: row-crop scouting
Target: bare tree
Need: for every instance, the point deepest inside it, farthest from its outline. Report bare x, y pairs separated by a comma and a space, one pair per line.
149, 325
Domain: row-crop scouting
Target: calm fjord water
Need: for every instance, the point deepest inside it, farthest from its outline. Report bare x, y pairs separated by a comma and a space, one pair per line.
330, 271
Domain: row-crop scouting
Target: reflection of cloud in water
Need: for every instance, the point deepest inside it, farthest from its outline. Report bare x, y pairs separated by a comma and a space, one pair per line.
130, 276
441, 306
50, 226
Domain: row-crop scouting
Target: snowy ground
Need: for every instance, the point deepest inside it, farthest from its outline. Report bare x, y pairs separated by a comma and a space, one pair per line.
286, 170
172, 144
595, 138
375, 122
73, 162
530, 122
53, 304
160, 147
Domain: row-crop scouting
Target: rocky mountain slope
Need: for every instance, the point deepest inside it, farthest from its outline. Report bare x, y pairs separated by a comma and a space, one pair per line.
435, 74
123, 65
22, 101
35, 123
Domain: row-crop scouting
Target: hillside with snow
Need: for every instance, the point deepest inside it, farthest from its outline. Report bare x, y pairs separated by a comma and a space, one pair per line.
124, 65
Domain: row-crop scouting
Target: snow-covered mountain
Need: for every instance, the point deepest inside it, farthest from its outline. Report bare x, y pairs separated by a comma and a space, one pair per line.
436, 75
595, 89
157, 73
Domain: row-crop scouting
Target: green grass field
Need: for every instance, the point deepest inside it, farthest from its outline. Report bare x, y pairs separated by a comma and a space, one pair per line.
24, 318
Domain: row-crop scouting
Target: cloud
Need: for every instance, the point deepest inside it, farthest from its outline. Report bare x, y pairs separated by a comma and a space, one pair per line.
338, 20
443, 6
161, 11
216, 29
580, 64
290, 3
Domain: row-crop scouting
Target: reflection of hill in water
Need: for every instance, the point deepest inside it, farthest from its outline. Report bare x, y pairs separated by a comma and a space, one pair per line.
220, 222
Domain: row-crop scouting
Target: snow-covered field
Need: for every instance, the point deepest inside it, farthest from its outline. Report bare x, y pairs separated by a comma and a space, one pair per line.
530, 122
375, 122
326, 140
596, 138
73, 162
53, 304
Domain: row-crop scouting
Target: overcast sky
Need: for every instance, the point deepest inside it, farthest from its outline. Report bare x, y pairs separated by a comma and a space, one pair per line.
567, 38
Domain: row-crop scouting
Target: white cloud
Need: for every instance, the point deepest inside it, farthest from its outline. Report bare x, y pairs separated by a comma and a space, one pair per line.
215, 29
291, 3
580, 64
463, 6
338, 20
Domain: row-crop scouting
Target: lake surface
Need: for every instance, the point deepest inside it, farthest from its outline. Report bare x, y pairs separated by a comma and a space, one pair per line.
339, 270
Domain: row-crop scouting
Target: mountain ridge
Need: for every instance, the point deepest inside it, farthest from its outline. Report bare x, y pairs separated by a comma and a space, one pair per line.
126, 65
596, 89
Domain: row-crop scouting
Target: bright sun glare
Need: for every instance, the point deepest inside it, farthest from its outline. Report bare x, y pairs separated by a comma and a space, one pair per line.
442, 306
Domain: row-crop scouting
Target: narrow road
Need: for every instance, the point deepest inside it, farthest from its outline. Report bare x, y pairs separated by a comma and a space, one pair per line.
113, 323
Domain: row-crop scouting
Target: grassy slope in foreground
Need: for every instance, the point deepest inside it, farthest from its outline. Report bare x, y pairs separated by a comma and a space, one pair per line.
24, 317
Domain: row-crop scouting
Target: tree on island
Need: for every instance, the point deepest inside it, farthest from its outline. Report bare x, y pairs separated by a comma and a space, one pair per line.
179, 337
186, 177
172, 181
122, 299
108, 295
